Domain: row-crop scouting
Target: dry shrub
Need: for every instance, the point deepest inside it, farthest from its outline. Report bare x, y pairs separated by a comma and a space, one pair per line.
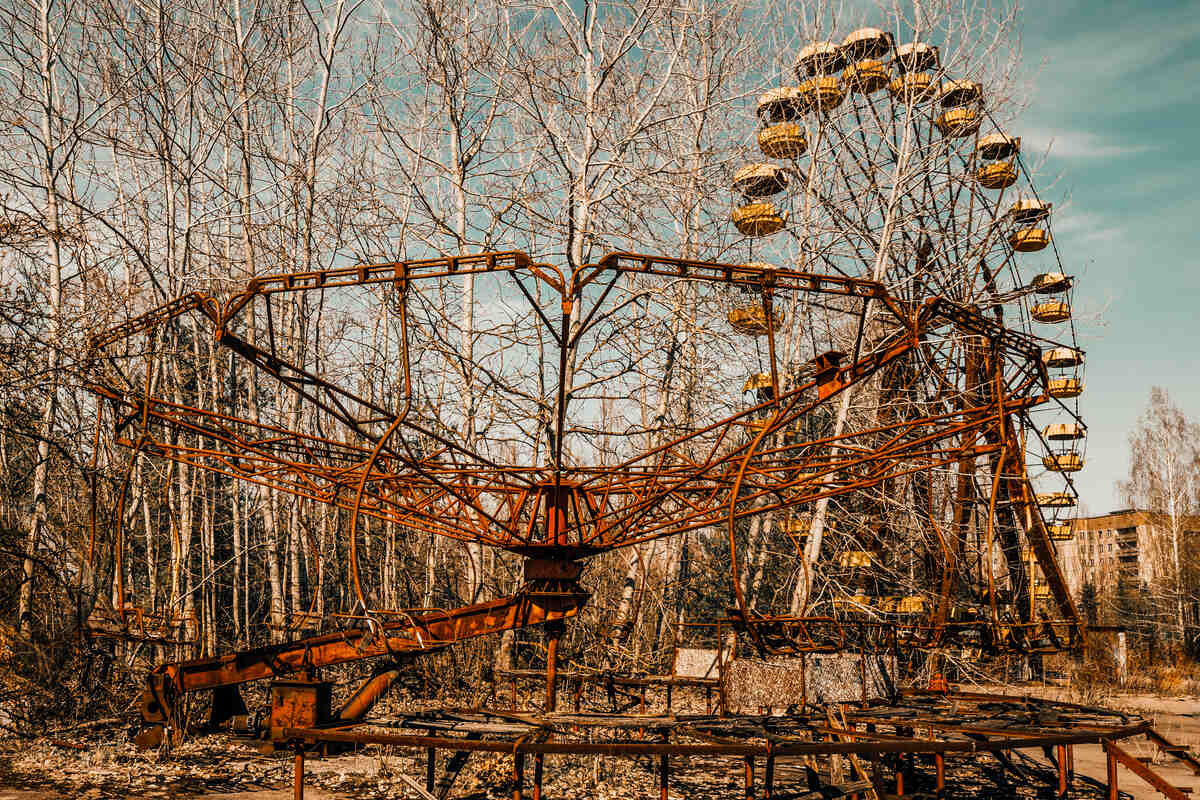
1093, 677
1181, 679
1176, 680
1089, 684
491, 773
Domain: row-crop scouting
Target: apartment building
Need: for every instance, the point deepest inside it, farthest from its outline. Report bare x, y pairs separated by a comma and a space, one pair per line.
1128, 543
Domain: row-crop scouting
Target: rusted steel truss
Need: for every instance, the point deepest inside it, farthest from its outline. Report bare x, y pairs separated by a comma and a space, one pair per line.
683, 484
388, 462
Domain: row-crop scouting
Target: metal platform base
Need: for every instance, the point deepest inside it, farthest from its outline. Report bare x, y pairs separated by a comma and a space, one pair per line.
920, 742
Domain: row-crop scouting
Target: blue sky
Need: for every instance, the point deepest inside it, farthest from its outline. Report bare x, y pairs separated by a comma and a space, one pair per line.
1116, 99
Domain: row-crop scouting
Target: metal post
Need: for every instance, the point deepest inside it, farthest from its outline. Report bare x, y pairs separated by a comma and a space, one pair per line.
876, 771
768, 314
553, 634
939, 761
851, 725
1113, 792
430, 763
749, 777
518, 776
900, 774
768, 777
722, 697
298, 778
664, 769
1061, 758
803, 682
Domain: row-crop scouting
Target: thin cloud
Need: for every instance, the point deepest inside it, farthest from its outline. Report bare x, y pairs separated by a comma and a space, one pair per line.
1133, 62
1075, 144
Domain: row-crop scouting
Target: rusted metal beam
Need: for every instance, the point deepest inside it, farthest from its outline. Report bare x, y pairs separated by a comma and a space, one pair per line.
367, 695
1060, 762
1144, 772
616, 680
195, 301
631, 748
408, 636
298, 776
1176, 751
1111, 763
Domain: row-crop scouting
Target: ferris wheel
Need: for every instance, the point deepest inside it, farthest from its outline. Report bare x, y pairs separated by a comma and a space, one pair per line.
880, 163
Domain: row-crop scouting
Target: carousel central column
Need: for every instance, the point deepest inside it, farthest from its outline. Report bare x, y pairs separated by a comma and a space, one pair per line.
554, 631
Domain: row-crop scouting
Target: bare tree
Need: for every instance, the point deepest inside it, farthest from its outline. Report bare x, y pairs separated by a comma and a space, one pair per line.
1164, 473
54, 106
208, 146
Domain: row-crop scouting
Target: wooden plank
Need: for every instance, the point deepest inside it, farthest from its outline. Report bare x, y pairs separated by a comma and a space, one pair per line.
872, 793
416, 786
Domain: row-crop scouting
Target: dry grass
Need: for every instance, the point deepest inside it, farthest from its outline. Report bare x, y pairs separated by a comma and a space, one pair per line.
1166, 680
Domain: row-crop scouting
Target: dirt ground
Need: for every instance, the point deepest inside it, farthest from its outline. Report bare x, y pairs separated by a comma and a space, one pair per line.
212, 768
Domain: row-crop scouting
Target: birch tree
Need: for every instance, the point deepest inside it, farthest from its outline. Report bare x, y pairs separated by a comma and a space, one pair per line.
53, 106
1164, 473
